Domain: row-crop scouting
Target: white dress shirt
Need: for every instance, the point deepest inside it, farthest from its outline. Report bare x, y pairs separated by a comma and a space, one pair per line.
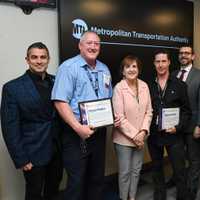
187, 69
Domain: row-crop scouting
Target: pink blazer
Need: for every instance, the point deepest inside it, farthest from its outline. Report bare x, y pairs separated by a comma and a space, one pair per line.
133, 115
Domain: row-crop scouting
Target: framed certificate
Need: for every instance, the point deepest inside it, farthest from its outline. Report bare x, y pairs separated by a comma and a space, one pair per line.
97, 113
169, 117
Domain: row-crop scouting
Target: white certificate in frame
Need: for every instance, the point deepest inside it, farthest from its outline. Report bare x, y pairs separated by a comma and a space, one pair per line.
97, 113
170, 117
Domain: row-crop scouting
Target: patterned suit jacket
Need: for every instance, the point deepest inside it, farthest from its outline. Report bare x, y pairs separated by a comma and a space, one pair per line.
26, 122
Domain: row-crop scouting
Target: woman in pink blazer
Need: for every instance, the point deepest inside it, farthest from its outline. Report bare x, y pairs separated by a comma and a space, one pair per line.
132, 103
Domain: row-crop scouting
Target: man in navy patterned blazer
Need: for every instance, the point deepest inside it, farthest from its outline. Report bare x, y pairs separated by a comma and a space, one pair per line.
31, 128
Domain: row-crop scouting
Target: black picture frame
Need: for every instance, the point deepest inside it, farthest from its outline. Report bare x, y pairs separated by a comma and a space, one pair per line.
28, 5
34, 3
37, 3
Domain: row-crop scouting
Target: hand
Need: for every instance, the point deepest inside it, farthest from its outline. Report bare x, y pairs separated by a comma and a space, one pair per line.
27, 167
138, 144
141, 135
196, 133
85, 131
117, 121
139, 139
171, 130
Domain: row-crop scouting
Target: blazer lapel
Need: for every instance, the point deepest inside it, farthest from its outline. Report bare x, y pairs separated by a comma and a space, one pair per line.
141, 90
176, 72
50, 112
126, 87
31, 90
190, 75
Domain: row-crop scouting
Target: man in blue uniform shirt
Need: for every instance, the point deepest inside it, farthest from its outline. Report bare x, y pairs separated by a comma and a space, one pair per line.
82, 78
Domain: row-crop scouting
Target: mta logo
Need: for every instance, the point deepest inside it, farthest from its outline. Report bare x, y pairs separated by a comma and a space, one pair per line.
79, 28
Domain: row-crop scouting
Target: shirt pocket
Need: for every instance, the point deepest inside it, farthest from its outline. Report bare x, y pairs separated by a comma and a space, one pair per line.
81, 87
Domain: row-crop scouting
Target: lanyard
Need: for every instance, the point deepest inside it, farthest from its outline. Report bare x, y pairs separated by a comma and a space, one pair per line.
161, 92
95, 84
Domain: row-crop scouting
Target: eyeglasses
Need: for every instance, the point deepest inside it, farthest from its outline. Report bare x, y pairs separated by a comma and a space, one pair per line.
95, 43
185, 52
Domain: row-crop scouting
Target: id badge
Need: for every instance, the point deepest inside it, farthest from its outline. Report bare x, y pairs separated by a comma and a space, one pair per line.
106, 80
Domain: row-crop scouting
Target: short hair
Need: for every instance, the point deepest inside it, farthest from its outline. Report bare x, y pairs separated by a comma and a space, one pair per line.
85, 33
128, 60
38, 45
187, 46
162, 51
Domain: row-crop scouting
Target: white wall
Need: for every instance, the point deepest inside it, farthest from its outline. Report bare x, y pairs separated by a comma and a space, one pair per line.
17, 32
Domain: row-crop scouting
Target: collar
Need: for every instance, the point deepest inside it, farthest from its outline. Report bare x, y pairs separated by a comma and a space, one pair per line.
170, 78
187, 68
37, 77
124, 84
83, 63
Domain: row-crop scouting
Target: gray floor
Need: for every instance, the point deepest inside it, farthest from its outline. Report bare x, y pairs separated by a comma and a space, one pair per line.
145, 191
145, 188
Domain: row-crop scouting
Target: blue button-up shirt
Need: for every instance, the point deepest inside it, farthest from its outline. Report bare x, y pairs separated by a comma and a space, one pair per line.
73, 84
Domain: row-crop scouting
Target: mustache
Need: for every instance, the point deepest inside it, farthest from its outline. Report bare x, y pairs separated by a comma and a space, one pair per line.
184, 58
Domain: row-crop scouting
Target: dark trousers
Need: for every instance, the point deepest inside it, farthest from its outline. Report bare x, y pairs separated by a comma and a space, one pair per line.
177, 158
193, 154
42, 182
84, 166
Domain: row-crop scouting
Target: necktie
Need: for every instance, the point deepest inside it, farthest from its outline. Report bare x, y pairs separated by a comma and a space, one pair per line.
182, 74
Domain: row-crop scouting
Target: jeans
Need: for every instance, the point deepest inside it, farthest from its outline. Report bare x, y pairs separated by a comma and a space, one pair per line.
177, 158
130, 161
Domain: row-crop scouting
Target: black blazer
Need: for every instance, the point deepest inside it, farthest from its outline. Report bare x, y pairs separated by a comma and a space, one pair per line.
26, 122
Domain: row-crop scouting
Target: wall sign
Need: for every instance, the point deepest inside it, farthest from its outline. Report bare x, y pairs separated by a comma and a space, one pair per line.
127, 27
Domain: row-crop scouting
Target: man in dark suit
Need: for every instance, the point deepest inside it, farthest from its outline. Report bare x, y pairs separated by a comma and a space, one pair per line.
30, 126
191, 75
